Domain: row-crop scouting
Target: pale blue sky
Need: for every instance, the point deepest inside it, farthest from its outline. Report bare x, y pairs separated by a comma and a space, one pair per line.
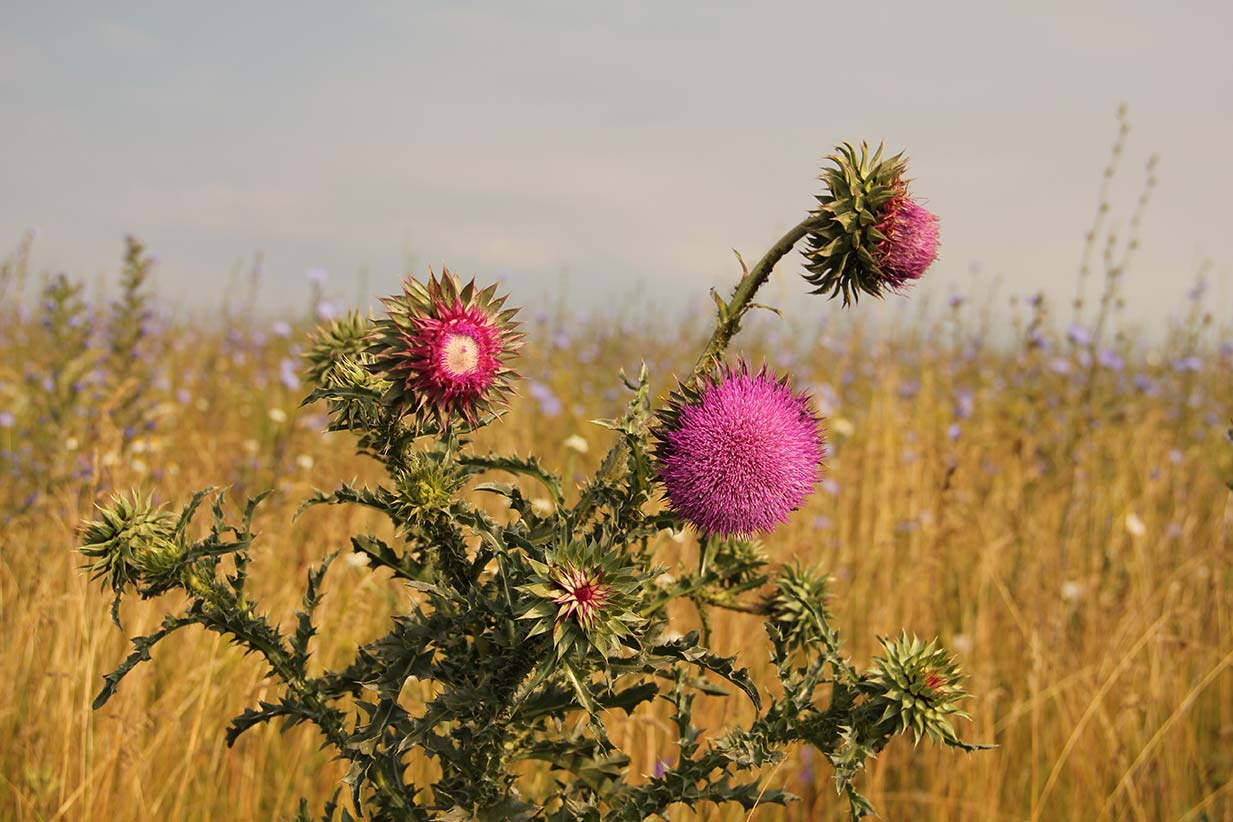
610, 145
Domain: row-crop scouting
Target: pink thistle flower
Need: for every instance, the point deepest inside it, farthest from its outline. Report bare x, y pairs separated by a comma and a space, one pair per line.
911, 243
583, 594
739, 453
444, 346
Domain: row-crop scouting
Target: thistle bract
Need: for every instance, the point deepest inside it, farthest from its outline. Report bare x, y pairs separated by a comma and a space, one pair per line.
444, 347
738, 452
870, 236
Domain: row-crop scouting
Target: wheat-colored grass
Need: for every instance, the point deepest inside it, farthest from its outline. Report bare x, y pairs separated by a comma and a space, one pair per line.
1072, 545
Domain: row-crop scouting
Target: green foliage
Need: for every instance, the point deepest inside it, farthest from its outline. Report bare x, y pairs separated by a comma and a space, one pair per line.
532, 624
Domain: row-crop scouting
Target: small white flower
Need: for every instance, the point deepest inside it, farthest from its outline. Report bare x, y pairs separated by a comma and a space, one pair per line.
71, 444
842, 426
962, 643
252, 446
541, 506
1135, 525
1072, 591
305, 462
278, 415
139, 466
575, 442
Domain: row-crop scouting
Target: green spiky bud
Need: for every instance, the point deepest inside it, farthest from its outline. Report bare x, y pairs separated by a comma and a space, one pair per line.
133, 543
333, 343
870, 235
583, 593
797, 606
737, 561
425, 488
917, 685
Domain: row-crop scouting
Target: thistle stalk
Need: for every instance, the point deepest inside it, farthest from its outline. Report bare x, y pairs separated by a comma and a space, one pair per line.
731, 312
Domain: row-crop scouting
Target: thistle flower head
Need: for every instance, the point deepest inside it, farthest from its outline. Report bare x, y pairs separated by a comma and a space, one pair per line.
132, 543
870, 235
444, 347
918, 687
738, 452
584, 594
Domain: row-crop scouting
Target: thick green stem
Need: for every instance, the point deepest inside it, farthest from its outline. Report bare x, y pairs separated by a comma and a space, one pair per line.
733, 311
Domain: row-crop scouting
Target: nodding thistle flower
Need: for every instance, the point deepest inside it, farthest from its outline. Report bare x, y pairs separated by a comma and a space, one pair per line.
871, 236
333, 343
133, 543
584, 594
918, 686
738, 451
797, 607
444, 347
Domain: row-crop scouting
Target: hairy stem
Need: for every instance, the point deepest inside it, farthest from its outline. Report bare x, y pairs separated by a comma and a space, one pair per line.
733, 311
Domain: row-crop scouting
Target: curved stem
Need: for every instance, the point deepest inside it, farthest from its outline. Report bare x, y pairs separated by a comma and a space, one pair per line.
731, 312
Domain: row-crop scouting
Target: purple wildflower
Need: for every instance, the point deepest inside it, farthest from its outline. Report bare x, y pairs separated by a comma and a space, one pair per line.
1226, 348
1191, 363
288, 374
739, 453
1079, 335
549, 404
326, 310
965, 403
954, 432
1144, 383
316, 276
1110, 360
281, 329
7, 420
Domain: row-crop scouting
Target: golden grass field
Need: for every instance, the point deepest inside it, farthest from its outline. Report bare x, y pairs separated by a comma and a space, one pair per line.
1073, 545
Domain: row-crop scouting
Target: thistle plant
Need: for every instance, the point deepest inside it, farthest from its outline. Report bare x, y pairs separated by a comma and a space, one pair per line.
536, 623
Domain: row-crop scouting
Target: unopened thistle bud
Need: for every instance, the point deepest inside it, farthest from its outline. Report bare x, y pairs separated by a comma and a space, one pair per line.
798, 606
445, 349
425, 488
737, 561
133, 543
917, 685
870, 236
335, 342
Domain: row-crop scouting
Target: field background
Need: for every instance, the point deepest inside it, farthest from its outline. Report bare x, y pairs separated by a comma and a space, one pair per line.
1049, 501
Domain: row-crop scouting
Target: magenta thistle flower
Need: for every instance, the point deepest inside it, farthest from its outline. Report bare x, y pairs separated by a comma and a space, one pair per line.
911, 243
444, 347
738, 453
582, 596
869, 235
